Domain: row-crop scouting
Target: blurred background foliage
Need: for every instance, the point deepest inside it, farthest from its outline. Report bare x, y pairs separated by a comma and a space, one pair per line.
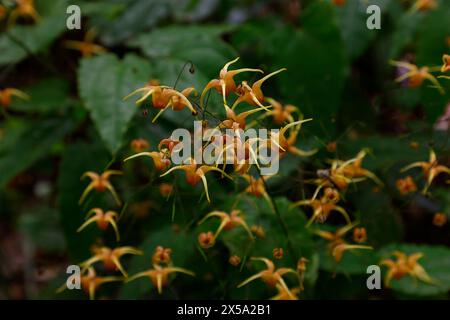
338, 74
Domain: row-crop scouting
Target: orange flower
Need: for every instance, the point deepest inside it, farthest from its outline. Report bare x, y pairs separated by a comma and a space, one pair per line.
257, 187
270, 276
259, 231
286, 294
406, 185
359, 235
225, 84
431, 169
424, 5
139, 145
165, 189
234, 260
159, 276
160, 159
110, 258
7, 93
253, 95
164, 97
206, 240
446, 63
23, 9
439, 219
278, 253
287, 144
337, 245
228, 221
195, 173
280, 113
237, 120
416, 75
324, 206
352, 168
90, 282
339, 2
162, 255
87, 47
332, 146
102, 219
100, 183
405, 265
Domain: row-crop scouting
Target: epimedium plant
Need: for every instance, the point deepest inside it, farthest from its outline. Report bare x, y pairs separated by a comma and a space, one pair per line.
145, 227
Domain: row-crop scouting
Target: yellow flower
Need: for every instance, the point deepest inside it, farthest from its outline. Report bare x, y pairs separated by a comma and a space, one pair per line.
271, 276
7, 93
23, 9
90, 282
164, 97
446, 63
405, 265
337, 245
159, 275
352, 169
424, 5
286, 294
103, 219
257, 187
160, 159
100, 183
431, 169
280, 113
195, 173
228, 221
416, 75
110, 258
237, 120
324, 206
287, 144
225, 84
253, 95
87, 47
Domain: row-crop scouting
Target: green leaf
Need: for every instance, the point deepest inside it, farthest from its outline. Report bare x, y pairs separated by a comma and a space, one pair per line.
20, 41
436, 262
50, 94
315, 55
176, 45
103, 82
24, 143
352, 19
